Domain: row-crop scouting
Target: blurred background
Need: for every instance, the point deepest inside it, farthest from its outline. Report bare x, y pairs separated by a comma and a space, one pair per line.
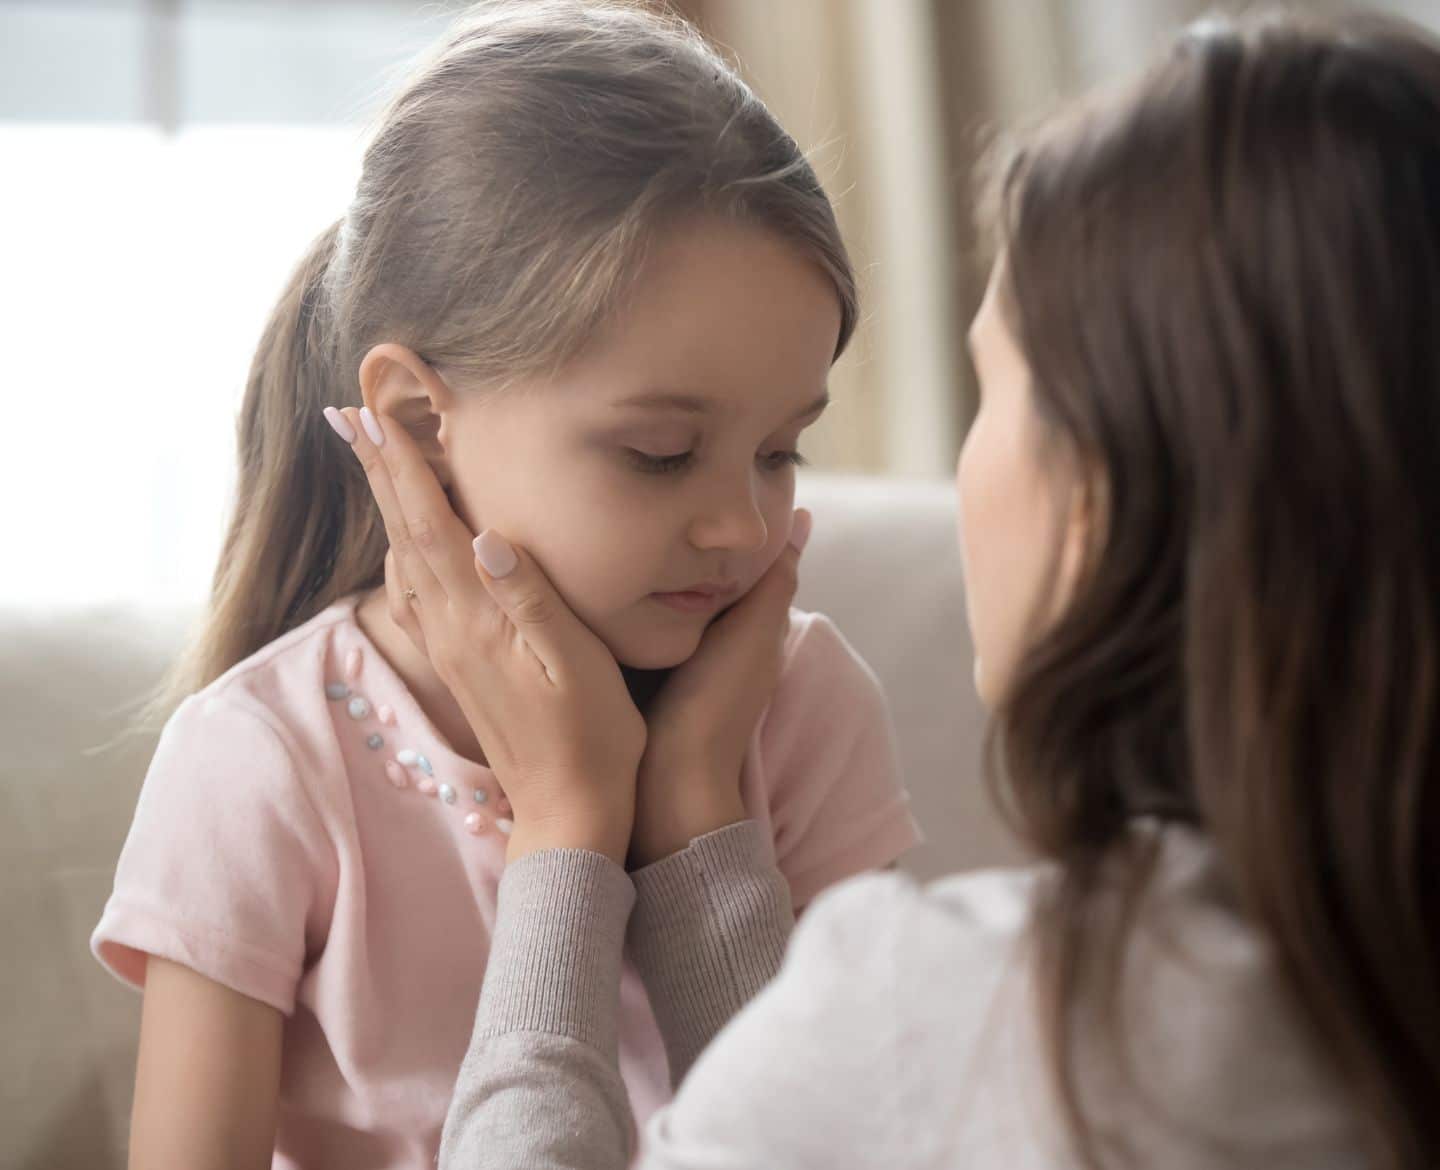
165, 162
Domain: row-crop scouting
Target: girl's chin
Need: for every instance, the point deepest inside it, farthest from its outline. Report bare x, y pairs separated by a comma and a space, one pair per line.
655, 652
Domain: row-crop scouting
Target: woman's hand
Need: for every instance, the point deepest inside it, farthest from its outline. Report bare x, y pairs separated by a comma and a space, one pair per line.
702, 720
542, 693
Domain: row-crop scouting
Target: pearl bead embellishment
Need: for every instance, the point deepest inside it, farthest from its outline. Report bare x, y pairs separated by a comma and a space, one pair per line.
504, 824
398, 771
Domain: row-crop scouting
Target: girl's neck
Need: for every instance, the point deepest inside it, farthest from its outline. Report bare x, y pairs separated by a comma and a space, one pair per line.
418, 675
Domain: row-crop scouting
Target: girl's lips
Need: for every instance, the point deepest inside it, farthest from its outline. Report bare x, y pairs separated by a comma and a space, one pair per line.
692, 601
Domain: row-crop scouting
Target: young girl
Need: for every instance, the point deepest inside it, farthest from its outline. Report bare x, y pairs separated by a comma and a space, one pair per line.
1199, 512
598, 286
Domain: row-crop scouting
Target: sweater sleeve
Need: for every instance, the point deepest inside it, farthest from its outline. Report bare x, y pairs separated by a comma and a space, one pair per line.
709, 931
540, 1087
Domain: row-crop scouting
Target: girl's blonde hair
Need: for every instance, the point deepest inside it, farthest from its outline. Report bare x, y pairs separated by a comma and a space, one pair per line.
505, 203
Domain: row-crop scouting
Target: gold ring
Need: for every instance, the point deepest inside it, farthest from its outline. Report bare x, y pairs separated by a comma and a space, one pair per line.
410, 595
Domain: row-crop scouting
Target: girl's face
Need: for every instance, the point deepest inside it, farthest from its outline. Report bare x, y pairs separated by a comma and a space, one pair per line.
1022, 521
662, 460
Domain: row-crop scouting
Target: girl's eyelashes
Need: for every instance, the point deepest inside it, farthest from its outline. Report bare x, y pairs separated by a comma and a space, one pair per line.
665, 464
657, 464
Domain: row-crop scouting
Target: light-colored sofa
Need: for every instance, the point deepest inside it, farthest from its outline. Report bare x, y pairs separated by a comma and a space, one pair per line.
883, 563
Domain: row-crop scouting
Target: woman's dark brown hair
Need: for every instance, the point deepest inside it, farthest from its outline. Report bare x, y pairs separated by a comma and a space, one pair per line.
1226, 281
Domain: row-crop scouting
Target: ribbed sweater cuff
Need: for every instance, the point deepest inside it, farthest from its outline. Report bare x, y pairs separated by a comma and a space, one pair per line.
556, 954
709, 930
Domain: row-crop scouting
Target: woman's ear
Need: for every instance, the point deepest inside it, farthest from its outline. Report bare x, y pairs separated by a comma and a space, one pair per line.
397, 382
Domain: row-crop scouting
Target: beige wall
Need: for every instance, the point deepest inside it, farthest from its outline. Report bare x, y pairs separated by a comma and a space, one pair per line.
845, 78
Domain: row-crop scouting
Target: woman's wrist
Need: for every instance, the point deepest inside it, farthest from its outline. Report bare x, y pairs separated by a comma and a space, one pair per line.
605, 830
679, 804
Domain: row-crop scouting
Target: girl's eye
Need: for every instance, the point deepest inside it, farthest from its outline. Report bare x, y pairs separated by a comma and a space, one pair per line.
662, 464
657, 464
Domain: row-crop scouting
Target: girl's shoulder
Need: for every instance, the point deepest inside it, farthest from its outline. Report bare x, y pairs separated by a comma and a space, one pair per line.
300, 672
302, 651
826, 764
231, 863
813, 635
287, 692
821, 668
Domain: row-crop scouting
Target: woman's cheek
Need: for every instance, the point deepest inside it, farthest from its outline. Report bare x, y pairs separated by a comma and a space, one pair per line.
972, 496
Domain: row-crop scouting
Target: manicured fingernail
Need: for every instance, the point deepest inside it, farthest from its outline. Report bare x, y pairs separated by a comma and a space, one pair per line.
372, 426
340, 423
800, 529
495, 553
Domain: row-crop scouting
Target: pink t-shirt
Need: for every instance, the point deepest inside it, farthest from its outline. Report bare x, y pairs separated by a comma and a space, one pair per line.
305, 836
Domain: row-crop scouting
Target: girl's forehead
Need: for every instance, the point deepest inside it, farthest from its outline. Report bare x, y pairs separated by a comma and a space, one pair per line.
724, 323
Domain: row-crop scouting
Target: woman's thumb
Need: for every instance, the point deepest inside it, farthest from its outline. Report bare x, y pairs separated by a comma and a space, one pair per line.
776, 589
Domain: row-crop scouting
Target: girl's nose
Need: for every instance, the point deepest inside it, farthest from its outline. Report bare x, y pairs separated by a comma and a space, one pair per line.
733, 524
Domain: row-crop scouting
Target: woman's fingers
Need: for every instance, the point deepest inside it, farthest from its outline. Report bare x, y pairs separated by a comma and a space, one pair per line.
424, 527
520, 588
428, 541
348, 425
399, 603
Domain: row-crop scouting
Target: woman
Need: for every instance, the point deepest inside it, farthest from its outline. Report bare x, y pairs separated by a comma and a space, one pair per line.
1198, 514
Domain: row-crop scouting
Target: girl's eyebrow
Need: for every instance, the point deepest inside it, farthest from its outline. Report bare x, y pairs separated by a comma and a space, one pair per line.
696, 404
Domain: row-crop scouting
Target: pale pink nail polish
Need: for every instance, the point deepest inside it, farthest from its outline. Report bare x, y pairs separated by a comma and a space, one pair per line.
495, 554
372, 426
340, 423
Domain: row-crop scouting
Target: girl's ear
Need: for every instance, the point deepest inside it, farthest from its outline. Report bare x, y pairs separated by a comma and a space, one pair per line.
397, 382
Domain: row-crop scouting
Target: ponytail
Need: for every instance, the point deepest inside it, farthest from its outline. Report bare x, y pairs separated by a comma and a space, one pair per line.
304, 531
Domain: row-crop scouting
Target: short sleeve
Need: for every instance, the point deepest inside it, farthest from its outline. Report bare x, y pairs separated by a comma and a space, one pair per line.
827, 744
226, 860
